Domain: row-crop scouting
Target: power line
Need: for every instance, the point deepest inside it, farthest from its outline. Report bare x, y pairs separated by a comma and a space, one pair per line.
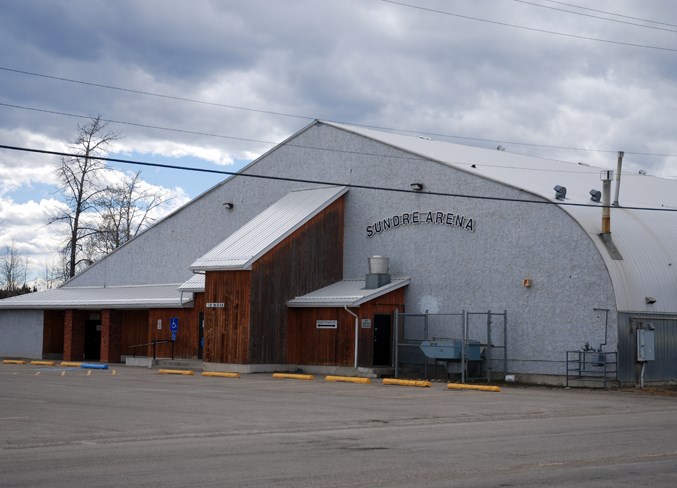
301, 146
320, 182
532, 29
595, 16
258, 141
151, 94
611, 13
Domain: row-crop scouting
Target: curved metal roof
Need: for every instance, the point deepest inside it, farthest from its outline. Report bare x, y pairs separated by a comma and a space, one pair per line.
647, 239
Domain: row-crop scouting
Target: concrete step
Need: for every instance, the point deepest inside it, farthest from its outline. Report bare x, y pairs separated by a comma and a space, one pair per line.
192, 364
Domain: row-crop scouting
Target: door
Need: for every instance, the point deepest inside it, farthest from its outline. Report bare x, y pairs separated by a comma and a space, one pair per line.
201, 334
93, 340
382, 340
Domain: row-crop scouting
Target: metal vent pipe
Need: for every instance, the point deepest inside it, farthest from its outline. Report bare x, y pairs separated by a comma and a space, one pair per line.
606, 177
618, 177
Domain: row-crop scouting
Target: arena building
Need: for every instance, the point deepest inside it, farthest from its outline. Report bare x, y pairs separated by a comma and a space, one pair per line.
517, 257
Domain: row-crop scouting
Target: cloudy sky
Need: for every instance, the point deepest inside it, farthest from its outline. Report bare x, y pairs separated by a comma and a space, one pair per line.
214, 84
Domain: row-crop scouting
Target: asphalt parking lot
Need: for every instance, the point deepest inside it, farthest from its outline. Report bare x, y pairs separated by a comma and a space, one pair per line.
132, 427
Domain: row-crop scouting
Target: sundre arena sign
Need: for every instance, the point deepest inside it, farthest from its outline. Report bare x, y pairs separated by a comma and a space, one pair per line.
418, 218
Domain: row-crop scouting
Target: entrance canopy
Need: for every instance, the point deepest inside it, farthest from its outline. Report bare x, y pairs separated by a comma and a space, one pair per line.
102, 297
346, 293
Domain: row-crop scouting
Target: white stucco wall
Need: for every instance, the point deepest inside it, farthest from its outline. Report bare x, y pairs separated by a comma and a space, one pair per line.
451, 269
21, 333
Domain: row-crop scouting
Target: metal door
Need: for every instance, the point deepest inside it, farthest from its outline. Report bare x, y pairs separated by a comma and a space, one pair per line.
382, 340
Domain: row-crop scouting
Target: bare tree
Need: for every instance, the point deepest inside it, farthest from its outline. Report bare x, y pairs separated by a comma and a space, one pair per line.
79, 179
125, 210
57, 271
13, 272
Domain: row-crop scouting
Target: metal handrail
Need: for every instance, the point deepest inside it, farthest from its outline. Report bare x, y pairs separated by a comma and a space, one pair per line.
154, 343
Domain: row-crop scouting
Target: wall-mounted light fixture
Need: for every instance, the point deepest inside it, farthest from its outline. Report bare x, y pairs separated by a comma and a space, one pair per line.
650, 300
417, 186
595, 195
560, 192
228, 205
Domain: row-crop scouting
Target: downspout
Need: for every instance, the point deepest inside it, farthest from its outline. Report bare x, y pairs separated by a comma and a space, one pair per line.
345, 307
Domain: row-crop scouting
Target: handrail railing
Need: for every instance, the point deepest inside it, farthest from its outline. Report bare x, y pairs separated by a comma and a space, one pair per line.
154, 343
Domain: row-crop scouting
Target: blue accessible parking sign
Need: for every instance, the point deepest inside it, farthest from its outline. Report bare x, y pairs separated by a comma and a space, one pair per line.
174, 326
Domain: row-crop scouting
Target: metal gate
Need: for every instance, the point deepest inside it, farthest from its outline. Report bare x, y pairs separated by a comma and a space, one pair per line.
486, 330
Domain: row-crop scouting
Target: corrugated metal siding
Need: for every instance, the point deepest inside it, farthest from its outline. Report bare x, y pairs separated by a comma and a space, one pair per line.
664, 368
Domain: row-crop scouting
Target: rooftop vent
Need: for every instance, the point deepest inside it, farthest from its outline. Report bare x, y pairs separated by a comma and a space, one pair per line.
378, 275
560, 192
595, 195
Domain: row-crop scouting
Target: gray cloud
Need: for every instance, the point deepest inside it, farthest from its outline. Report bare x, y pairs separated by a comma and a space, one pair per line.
362, 61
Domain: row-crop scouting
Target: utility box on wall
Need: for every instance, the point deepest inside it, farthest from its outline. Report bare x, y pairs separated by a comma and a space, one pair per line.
645, 345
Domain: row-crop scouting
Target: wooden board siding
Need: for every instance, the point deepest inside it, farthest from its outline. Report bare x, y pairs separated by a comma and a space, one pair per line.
52, 335
384, 305
227, 329
306, 344
309, 259
134, 331
187, 337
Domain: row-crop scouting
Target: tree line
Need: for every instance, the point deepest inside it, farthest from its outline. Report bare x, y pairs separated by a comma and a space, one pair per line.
102, 209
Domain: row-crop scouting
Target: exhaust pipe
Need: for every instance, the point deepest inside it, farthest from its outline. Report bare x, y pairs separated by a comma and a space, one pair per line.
618, 177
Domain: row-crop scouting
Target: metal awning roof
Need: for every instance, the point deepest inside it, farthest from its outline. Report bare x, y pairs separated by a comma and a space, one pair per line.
346, 293
195, 284
100, 297
267, 229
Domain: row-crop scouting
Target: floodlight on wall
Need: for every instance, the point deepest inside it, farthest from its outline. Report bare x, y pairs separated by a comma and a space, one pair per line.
228, 205
560, 192
595, 195
417, 186
650, 300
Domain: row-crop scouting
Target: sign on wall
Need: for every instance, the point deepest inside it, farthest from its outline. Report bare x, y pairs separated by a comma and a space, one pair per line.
326, 324
215, 305
433, 217
366, 323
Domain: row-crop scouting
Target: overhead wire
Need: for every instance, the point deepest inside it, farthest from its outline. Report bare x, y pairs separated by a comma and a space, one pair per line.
625, 22
301, 146
611, 13
323, 182
532, 29
368, 126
